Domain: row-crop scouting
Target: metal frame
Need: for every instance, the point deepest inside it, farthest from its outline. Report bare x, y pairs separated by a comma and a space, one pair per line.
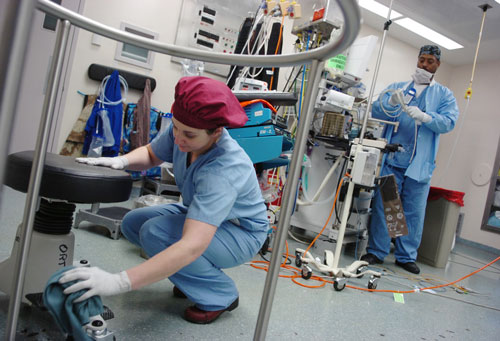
66, 17
491, 195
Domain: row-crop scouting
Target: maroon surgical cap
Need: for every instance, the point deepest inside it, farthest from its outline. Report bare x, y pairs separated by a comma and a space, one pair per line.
206, 103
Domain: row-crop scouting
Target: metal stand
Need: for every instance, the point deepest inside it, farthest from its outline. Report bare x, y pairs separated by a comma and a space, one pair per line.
158, 187
109, 217
355, 269
97, 329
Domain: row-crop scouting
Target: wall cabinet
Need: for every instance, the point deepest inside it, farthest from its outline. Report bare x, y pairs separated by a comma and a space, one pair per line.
491, 217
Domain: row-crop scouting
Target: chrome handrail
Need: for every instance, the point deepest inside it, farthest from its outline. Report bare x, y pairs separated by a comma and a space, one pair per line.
316, 57
349, 9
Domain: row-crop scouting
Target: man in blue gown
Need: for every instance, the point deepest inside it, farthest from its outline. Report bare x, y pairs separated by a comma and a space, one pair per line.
431, 110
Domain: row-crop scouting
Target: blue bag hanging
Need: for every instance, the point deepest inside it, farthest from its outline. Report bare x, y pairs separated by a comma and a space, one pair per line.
103, 129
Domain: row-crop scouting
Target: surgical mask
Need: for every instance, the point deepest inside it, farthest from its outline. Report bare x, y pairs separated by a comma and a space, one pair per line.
422, 76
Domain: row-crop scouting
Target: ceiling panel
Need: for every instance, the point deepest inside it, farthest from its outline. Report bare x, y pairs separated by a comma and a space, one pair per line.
459, 20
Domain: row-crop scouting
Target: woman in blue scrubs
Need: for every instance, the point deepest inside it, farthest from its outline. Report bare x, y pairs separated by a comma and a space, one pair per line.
221, 222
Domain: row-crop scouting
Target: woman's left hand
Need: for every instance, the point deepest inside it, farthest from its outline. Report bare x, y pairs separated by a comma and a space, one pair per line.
97, 281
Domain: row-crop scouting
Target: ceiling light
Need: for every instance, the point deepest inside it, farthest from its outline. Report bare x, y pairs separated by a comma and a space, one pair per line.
378, 9
427, 33
498, 1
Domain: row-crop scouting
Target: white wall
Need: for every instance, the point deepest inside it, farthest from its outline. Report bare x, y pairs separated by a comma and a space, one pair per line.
158, 16
476, 146
399, 61
478, 138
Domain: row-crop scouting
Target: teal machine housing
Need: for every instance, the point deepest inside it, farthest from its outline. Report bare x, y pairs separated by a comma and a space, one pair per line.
258, 137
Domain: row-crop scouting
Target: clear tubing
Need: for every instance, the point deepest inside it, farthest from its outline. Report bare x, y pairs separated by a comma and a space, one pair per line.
327, 177
314, 200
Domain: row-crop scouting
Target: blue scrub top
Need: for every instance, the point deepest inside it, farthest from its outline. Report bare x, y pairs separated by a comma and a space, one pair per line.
405, 136
219, 185
438, 102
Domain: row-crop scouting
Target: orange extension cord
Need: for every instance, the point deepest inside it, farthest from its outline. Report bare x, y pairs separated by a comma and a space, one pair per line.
296, 271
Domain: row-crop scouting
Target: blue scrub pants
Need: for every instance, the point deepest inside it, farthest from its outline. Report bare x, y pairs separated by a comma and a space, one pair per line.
414, 198
156, 228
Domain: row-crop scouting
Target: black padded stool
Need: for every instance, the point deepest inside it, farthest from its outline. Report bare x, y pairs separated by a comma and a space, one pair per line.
64, 183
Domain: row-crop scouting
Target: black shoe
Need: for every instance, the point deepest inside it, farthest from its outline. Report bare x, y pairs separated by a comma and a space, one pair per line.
178, 293
371, 259
410, 267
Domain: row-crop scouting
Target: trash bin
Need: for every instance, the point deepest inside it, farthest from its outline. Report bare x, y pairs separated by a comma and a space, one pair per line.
440, 224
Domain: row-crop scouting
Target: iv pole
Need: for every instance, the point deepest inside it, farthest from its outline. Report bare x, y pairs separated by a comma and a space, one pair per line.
350, 188
341, 274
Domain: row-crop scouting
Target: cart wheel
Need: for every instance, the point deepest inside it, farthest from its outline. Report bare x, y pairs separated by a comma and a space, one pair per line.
306, 272
338, 285
360, 270
372, 283
298, 259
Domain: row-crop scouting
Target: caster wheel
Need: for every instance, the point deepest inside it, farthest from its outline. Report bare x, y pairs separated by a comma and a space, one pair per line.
360, 270
372, 283
298, 259
338, 285
306, 272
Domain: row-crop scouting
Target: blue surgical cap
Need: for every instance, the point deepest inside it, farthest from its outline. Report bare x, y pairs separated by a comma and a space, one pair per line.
432, 50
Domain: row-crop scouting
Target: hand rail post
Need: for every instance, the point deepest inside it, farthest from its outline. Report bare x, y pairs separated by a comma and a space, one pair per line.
36, 178
288, 200
13, 44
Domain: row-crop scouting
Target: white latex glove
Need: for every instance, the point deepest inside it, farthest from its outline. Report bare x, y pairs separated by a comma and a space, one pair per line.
119, 162
97, 281
418, 115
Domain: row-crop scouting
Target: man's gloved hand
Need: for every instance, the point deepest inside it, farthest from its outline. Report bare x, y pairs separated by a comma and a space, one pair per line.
97, 281
418, 115
119, 162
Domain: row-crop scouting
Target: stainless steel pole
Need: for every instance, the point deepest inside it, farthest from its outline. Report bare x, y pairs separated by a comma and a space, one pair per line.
350, 189
288, 201
36, 178
375, 74
15, 30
